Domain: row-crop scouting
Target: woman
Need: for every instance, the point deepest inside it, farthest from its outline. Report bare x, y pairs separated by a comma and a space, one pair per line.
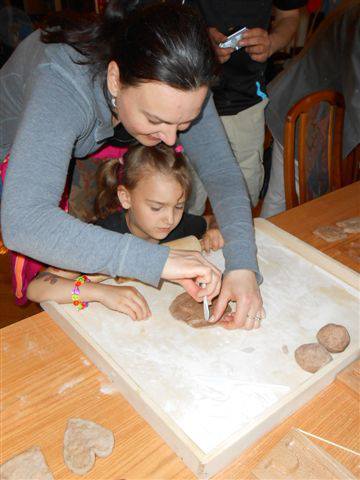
146, 73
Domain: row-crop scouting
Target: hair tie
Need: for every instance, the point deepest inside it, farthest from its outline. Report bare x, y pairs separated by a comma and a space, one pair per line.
179, 149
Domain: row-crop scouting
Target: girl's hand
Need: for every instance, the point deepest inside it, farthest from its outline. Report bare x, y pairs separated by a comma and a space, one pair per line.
189, 269
126, 300
212, 240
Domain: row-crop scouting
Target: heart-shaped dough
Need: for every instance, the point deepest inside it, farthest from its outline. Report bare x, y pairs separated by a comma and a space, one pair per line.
30, 464
83, 440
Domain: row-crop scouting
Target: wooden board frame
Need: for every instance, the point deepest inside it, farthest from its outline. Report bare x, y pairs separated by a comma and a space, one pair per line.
206, 465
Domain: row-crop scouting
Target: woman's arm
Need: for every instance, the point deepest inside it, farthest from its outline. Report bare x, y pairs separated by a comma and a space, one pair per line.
209, 151
54, 117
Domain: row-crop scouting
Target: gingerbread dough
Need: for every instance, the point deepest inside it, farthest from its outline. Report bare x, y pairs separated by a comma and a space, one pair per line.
330, 233
351, 225
312, 356
186, 309
29, 465
83, 440
335, 338
353, 251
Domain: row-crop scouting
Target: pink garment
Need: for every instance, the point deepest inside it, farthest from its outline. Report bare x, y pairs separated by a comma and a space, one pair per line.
110, 152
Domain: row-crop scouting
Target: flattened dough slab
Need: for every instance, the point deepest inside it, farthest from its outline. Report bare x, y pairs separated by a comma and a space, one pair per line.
186, 309
295, 457
83, 440
29, 465
350, 225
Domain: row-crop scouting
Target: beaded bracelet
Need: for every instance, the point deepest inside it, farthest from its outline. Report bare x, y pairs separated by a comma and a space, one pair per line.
75, 293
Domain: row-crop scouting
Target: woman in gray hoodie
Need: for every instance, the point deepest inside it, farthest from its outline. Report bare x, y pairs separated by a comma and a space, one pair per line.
145, 72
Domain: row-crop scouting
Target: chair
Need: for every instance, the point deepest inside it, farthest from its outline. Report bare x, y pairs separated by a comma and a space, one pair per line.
313, 136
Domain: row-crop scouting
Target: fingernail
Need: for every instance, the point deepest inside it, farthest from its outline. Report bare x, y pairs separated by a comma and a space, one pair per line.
212, 319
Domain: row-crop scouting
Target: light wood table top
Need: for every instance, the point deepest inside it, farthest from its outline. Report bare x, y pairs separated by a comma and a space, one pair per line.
326, 210
45, 380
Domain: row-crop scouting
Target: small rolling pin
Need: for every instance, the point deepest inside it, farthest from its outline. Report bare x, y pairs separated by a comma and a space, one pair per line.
186, 243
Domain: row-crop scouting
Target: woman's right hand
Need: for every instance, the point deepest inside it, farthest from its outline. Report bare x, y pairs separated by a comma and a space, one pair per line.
190, 269
126, 300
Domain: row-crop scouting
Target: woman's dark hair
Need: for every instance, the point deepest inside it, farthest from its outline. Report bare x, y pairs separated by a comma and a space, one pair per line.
161, 42
139, 162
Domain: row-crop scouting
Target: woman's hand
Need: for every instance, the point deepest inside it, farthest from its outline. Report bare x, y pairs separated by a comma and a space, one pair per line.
126, 300
212, 240
189, 269
240, 286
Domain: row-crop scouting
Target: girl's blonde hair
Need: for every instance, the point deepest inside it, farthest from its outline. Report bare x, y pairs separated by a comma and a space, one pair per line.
139, 161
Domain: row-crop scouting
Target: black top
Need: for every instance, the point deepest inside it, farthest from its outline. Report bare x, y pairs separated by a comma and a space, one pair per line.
238, 88
189, 225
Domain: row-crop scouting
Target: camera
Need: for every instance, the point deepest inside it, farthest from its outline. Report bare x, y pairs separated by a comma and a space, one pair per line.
233, 39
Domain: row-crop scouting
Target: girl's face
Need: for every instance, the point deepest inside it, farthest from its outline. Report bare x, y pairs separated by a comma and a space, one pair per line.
155, 206
154, 112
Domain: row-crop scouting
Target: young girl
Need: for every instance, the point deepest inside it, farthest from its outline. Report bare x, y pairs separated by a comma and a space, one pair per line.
152, 189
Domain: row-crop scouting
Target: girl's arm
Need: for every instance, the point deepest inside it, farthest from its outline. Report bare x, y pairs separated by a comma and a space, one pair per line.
95, 278
49, 286
210, 221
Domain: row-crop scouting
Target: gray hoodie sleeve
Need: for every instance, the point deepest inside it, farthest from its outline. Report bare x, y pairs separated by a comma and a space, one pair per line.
33, 223
209, 151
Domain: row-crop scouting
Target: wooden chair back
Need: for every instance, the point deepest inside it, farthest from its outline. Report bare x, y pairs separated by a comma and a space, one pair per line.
299, 127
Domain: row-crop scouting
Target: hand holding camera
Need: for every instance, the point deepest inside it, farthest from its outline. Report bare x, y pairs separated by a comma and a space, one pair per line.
232, 41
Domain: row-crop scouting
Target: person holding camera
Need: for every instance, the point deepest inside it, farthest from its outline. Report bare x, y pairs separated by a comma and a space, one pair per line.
240, 96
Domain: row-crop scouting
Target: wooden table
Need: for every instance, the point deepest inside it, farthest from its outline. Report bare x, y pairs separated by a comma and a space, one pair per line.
327, 210
46, 380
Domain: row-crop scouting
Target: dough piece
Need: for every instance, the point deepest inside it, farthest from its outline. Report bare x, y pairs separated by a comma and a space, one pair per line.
335, 338
186, 309
353, 251
312, 356
330, 233
29, 465
350, 225
83, 440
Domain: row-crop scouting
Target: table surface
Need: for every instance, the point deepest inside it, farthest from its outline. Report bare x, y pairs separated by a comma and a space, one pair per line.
327, 210
46, 379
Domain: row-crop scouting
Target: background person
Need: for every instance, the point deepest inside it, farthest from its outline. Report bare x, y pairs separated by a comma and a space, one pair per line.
240, 96
330, 60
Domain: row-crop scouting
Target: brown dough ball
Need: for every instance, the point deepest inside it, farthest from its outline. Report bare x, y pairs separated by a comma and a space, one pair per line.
188, 310
334, 338
312, 356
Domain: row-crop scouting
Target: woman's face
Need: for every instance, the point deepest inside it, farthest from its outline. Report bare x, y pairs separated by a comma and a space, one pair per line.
154, 207
154, 112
